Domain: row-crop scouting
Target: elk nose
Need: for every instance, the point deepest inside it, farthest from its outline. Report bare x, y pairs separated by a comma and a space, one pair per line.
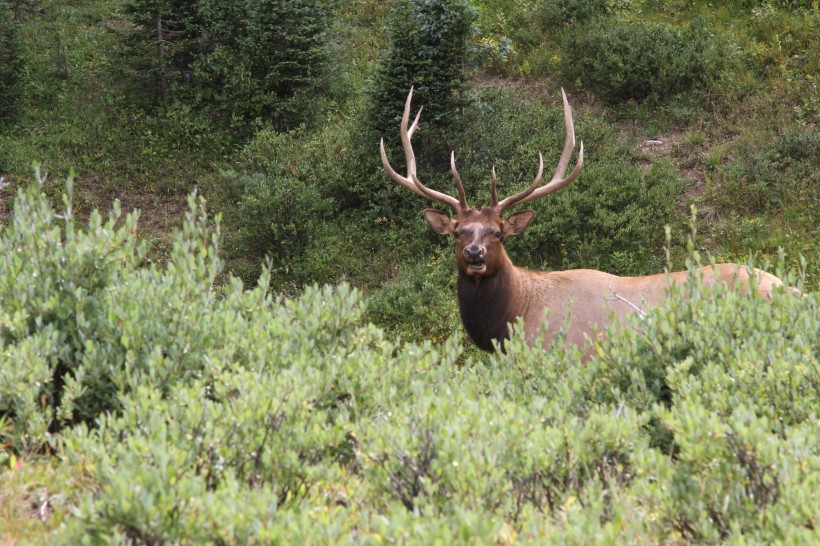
474, 253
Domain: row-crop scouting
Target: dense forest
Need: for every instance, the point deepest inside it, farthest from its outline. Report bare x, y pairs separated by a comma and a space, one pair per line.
221, 322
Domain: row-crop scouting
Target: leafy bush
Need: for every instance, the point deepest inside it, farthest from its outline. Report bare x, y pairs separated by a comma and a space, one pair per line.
279, 216
305, 195
267, 430
612, 219
233, 417
339, 158
92, 323
767, 176
554, 14
420, 302
686, 351
731, 481
55, 285
620, 59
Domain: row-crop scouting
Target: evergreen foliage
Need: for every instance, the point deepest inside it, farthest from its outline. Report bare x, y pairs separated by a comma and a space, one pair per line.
11, 62
162, 44
245, 60
429, 48
263, 58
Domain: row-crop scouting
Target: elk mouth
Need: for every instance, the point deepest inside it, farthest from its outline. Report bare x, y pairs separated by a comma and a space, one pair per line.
477, 266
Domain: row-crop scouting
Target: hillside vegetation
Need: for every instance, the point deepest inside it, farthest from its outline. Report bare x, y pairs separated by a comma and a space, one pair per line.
269, 351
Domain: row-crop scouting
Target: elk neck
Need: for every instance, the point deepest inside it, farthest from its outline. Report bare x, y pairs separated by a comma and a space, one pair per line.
489, 303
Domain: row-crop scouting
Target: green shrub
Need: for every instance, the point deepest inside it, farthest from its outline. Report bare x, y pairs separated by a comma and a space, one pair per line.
304, 195
94, 324
611, 219
55, 287
719, 348
233, 417
339, 157
420, 303
476, 461
735, 477
730, 383
620, 59
262, 433
766, 176
554, 14
279, 216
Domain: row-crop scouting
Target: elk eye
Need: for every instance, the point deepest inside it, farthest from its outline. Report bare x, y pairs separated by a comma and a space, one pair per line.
498, 234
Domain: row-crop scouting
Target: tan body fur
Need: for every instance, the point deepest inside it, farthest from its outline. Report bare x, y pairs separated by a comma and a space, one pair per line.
584, 301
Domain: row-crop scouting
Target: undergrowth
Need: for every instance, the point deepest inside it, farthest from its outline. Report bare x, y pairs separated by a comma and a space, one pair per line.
164, 408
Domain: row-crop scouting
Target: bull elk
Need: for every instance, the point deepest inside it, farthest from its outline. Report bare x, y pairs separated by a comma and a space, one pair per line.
492, 292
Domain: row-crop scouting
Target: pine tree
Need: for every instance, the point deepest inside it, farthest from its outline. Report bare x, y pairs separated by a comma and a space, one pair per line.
162, 44
269, 59
429, 45
246, 59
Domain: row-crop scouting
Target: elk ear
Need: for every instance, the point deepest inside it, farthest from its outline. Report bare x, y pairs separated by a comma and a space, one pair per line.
439, 221
517, 223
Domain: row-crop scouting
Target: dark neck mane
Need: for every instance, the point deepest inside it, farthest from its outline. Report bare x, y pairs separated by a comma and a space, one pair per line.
486, 305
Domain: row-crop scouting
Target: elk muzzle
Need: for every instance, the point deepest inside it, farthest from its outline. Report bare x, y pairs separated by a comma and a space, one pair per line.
474, 258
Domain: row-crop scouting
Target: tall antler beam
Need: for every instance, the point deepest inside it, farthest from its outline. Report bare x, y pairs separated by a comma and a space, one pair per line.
558, 181
411, 181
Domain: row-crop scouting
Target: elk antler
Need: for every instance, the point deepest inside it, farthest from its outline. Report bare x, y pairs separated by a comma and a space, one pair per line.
557, 182
411, 181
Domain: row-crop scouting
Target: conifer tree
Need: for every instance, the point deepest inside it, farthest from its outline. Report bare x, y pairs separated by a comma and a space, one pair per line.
162, 45
268, 59
429, 46
246, 59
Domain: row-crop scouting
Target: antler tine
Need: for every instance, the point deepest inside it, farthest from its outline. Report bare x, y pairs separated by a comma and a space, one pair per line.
418, 116
493, 190
411, 181
558, 181
518, 197
462, 196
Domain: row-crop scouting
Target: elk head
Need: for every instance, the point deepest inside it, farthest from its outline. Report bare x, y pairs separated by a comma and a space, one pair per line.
480, 233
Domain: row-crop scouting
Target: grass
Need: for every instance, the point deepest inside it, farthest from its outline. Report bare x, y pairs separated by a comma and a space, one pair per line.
37, 495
